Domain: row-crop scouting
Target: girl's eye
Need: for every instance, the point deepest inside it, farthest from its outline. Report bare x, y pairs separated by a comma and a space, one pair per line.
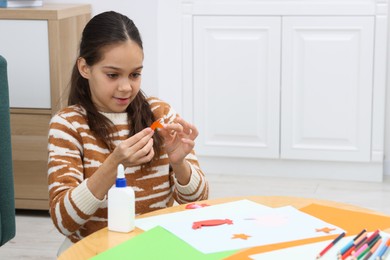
135, 75
112, 75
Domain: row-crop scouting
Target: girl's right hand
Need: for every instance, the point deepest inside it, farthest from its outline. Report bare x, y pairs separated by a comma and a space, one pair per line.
135, 150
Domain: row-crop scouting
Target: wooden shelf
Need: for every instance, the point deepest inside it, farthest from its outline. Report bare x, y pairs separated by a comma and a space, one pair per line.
46, 12
29, 126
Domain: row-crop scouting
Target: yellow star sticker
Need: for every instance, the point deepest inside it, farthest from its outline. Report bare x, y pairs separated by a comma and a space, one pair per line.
242, 236
325, 230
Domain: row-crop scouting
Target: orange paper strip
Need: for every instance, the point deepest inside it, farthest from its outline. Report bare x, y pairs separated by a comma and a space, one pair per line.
156, 124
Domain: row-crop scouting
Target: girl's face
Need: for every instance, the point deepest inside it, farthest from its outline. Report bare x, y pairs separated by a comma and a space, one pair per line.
116, 79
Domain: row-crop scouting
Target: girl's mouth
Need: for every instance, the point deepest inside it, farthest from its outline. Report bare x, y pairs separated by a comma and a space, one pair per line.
122, 100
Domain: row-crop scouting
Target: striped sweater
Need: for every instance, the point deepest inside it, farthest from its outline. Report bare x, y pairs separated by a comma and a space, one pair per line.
75, 154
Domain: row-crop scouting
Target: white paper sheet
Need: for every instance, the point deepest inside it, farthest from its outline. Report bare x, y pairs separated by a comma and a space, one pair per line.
214, 211
264, 225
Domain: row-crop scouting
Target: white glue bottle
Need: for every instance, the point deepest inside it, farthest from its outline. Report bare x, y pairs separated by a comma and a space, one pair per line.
121, 204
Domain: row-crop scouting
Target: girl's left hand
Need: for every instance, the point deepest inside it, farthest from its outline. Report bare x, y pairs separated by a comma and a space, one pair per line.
179, 138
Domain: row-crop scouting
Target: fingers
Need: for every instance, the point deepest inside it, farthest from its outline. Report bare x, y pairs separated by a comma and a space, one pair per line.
173, 127
137, 149
189, 144
146, 153
183, 128
178, 137
193, 132
139, 139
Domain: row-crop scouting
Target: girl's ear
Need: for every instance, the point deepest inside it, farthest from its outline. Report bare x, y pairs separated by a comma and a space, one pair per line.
83, 68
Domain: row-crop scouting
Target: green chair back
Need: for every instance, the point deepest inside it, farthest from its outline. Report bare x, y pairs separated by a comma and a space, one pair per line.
7, 201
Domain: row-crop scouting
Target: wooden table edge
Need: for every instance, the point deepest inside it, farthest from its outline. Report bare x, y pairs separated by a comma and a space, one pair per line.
104, 239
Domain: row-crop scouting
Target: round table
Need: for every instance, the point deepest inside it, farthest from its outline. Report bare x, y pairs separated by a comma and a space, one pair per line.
104, 239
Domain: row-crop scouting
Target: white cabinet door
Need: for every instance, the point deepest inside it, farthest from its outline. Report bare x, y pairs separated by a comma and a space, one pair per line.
327, 84
25, 45
236, 89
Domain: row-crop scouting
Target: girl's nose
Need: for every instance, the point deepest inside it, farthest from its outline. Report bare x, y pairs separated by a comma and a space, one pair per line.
125, 85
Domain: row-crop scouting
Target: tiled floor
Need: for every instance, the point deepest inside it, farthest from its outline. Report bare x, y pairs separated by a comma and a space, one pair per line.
36, 237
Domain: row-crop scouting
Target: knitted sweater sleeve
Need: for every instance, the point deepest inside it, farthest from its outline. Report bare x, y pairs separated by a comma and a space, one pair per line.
197, 188
71, 202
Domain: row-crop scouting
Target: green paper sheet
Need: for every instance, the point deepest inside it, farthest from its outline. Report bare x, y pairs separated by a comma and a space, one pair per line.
160, 244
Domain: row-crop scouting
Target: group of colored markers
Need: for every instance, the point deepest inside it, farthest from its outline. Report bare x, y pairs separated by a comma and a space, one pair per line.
361, 247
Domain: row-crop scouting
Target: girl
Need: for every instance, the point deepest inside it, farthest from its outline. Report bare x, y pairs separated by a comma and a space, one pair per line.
107, 123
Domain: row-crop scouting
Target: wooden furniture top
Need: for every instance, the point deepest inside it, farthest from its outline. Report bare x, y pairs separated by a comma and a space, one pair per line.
46, 12
103, 239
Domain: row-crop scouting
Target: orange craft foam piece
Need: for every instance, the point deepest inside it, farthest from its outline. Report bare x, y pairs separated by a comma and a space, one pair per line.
241, 236
156, 124
211, 222
325, 230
